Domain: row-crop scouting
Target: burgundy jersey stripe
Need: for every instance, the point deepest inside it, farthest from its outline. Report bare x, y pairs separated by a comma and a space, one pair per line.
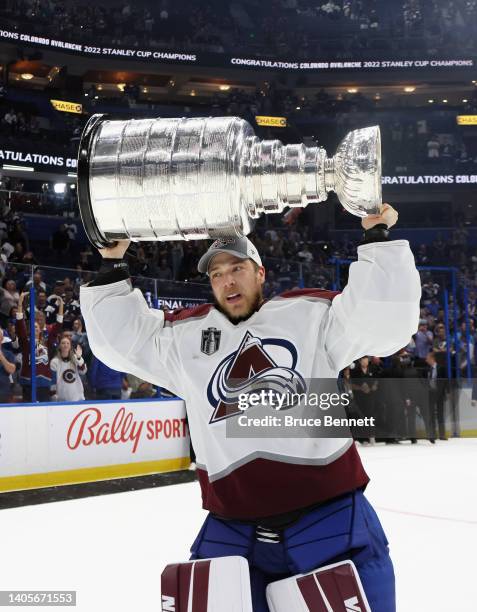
170, 580
201, 586
340, 584
185, 570
311, 594
239, 495
175, 582
310, 292
181, 314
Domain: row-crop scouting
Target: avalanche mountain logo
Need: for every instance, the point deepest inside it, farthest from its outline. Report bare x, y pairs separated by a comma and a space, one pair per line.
251, 369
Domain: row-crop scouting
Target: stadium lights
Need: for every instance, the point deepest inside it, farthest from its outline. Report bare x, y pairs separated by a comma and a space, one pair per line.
59, 187
27, 76
224, 87
409, 89
431, 101
352, 90
465, 100
12, 167
445, 100
298, 108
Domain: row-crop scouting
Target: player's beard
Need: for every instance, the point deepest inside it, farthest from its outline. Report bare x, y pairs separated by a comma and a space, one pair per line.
254, 306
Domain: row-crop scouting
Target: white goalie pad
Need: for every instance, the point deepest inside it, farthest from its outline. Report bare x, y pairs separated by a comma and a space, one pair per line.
332, 588
207, 585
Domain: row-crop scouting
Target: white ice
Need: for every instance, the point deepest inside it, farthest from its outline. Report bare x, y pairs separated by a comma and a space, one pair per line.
111, 549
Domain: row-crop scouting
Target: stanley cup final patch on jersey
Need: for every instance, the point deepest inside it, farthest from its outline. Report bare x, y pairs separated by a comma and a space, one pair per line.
210, 340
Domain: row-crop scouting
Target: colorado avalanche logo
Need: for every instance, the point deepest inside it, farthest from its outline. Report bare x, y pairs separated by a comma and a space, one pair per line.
69, 376
251, 369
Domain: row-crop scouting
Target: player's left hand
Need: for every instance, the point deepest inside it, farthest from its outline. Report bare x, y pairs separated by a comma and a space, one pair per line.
388, 215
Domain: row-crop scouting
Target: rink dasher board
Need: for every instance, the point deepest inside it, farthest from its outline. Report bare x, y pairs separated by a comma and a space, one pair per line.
50, 444
467, 415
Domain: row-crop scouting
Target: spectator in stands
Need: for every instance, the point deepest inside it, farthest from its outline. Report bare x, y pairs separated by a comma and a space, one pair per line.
37, 282
7, 368
437, 388
466, 346
144, 390
10, 120
41, 302
9, 297
72, 308
69, 366
29, 259
433, 147
439, 344
86, 257
423, 339
44, 376
364, 387
80, 337
17, 234
53, 303
107, 383
164, 272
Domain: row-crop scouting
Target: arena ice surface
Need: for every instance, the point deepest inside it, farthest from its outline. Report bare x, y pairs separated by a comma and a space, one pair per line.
112, 549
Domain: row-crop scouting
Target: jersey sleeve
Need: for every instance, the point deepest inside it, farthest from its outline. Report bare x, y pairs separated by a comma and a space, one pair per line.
378, 310
128, 336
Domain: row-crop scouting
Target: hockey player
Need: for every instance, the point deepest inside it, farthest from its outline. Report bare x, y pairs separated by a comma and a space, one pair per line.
287, 505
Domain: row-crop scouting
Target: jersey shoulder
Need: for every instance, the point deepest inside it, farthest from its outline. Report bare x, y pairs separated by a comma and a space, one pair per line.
310, 292
187, 314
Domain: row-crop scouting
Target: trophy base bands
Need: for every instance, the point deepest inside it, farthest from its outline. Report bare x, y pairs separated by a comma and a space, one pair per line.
37, 598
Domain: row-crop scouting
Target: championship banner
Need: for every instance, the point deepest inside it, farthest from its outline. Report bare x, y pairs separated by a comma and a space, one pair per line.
67, 107
466, 119
178, 56
171, 303
271, 121
38, 160
52, 444
430, 179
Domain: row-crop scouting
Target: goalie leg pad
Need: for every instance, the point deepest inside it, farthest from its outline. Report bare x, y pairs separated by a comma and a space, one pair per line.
332, 588
207, 585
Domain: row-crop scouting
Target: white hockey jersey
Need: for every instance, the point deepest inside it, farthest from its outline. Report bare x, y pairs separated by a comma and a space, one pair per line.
311, 332
69, 386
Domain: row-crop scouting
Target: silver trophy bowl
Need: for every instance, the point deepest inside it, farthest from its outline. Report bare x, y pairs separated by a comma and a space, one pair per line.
204, 178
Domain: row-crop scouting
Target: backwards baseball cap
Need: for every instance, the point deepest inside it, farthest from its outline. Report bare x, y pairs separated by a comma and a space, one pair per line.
240, 247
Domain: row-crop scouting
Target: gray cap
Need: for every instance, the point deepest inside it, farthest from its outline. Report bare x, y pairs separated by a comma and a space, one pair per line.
240, 247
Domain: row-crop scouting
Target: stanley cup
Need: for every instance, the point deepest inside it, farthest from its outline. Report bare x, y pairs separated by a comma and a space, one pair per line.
189, 179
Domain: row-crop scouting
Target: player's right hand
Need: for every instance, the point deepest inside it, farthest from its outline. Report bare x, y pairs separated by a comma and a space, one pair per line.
117, 251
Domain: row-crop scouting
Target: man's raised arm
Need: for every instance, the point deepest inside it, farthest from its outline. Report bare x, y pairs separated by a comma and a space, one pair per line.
378, 310
123, 332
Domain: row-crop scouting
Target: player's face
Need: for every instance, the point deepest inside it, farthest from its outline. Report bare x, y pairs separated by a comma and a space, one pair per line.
237, 285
